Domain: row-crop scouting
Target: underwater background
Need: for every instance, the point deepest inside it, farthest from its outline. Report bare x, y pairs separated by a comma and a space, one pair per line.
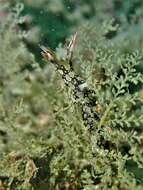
45, 142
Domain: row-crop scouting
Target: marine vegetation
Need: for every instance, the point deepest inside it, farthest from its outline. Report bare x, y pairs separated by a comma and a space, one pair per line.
71, 113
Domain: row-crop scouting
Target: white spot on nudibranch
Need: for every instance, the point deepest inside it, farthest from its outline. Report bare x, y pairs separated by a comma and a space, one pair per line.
82, 86
67, 77
61, 72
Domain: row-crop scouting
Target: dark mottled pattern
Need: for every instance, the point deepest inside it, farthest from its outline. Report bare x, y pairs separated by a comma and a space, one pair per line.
85, 97
82, 95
